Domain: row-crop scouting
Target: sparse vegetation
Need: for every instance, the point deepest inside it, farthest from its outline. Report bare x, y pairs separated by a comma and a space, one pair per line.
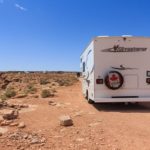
44, 81
25, 84
30, 89
9, 93
3, 97
46, 93
66, 82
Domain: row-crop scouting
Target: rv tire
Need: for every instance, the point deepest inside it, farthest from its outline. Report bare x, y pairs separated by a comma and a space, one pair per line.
90, 101
87, 98
87, 95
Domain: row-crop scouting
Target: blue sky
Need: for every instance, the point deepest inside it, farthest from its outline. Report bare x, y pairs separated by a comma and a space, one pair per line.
51, 34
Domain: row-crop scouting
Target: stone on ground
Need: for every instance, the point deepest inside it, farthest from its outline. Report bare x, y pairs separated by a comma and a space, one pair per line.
66, 120
21, 125
6, 122
10, 114
13, 124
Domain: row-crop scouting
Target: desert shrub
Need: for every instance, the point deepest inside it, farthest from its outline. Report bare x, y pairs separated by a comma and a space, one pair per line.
26, 80
63, 82
44, 81
60, 82
3, 97
30, 89
46, 93
66, 80
9, 93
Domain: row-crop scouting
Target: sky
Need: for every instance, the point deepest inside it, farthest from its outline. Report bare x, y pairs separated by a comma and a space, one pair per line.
50, 35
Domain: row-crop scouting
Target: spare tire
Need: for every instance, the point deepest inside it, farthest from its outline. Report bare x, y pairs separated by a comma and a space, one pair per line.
114, 80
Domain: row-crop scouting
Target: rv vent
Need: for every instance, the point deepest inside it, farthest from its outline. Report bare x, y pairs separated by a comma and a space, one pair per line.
103, 36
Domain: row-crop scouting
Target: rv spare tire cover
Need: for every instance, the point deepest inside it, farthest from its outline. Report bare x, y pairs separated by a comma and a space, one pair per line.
114, 80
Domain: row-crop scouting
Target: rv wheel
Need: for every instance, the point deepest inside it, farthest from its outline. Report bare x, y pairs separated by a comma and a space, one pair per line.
114, 80
87, 97
90, 101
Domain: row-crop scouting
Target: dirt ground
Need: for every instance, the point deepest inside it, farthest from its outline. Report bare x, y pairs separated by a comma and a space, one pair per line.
95, 127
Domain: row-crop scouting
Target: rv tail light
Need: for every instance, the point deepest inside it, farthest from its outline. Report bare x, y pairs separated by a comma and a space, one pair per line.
148, 73
148, 80
99, 81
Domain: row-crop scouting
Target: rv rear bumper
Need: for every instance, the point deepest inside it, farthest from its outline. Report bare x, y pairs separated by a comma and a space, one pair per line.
134, 99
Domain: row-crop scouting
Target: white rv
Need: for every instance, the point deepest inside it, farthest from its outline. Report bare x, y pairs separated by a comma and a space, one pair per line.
116, 69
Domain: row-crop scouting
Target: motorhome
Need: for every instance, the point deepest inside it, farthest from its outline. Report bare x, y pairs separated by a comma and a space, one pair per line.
116, 69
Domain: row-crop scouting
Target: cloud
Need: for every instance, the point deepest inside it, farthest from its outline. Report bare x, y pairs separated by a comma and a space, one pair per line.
20, 7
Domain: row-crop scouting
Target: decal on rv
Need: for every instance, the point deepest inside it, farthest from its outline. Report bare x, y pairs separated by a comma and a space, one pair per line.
118, 48
123, 68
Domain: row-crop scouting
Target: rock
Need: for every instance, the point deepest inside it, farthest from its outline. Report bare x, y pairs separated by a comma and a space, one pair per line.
1, 104
52, 103
66, 121
18, 106
16, 80
14, 136
35, 96
13, 124
21, 125
9, 144
19, 147
59, 105
4, 86
24, 106
10, 114
1, 119
22, 148
43, 140
25, 136
21, 96
11, 105
6, 123
3, 130
30, 136
34, 141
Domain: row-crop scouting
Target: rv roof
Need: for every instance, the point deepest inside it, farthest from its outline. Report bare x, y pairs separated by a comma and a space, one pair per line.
112, 36
126, 35
104, 36
121, 36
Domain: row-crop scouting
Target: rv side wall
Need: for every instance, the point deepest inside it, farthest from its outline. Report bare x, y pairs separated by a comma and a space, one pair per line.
87, 69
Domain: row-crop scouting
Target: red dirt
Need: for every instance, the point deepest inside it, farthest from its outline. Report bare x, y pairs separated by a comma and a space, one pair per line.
99, 126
